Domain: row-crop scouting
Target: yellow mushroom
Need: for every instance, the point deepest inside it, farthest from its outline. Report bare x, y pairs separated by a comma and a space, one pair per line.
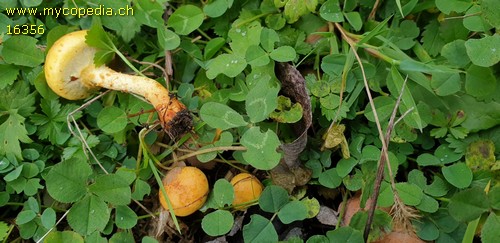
187, 190
70, 72
247, 188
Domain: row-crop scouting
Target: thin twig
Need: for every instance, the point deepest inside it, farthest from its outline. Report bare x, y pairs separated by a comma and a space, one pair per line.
374, 10
463, 17
384, 155
57, 223
383, 160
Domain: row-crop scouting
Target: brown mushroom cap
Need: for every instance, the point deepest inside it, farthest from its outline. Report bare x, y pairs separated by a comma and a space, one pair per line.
65, 61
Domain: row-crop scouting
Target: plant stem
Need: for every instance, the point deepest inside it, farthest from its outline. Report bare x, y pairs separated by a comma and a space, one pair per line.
208, 150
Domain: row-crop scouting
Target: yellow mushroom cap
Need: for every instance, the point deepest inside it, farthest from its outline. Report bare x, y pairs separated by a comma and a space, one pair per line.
65, 61
246, 189
187, 190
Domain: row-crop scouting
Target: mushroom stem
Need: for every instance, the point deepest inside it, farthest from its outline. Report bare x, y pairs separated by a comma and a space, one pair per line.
166, 106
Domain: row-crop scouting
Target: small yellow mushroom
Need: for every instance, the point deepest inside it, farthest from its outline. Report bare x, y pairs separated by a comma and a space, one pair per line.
187, 190
247, 188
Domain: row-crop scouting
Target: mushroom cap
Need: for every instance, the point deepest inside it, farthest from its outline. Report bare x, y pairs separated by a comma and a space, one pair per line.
65, 61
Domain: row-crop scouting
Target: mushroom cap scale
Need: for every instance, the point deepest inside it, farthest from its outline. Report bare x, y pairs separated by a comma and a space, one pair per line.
65, 61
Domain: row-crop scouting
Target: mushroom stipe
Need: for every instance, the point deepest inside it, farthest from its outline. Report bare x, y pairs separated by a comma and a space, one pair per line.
70, 72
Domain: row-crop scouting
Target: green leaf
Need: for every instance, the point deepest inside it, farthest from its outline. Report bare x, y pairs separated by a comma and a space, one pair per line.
384, 106
285, 112
167, 39
407, 99
370, 153
275, 21
22, 50
312, 205
283, 54
122, 237
448, 6
273, 198
345, 234
261, 100
67, 181
52, 123
428, 204
333, 64
490, 232
355, 20
25, 216
427, 230
112, 119
475, 22
17, 102
48, 218
221, 116
14, 174
4, 198
32, 186
217, 223
186, 19
317, 239
446, 83
149, 13
446, 155
330, 178
4, 228
12, 132
480, 115
96, 237
125, 218
489, 11
64, 236
268, 37
410, 194
330, 11
493, 195
213, 46
261, 148
98, 38
228, 64
345, 166
294, 9
459, 175
256, 56
432, 41
148, 239
484, 52
437, 188
259, 229
216, 8
426, 159
141, 188
88, 215
223, 193
292, 211
112, 188
242, 37
456, 53
468, 204
330, 102
405, 35
9, 74
126, 26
